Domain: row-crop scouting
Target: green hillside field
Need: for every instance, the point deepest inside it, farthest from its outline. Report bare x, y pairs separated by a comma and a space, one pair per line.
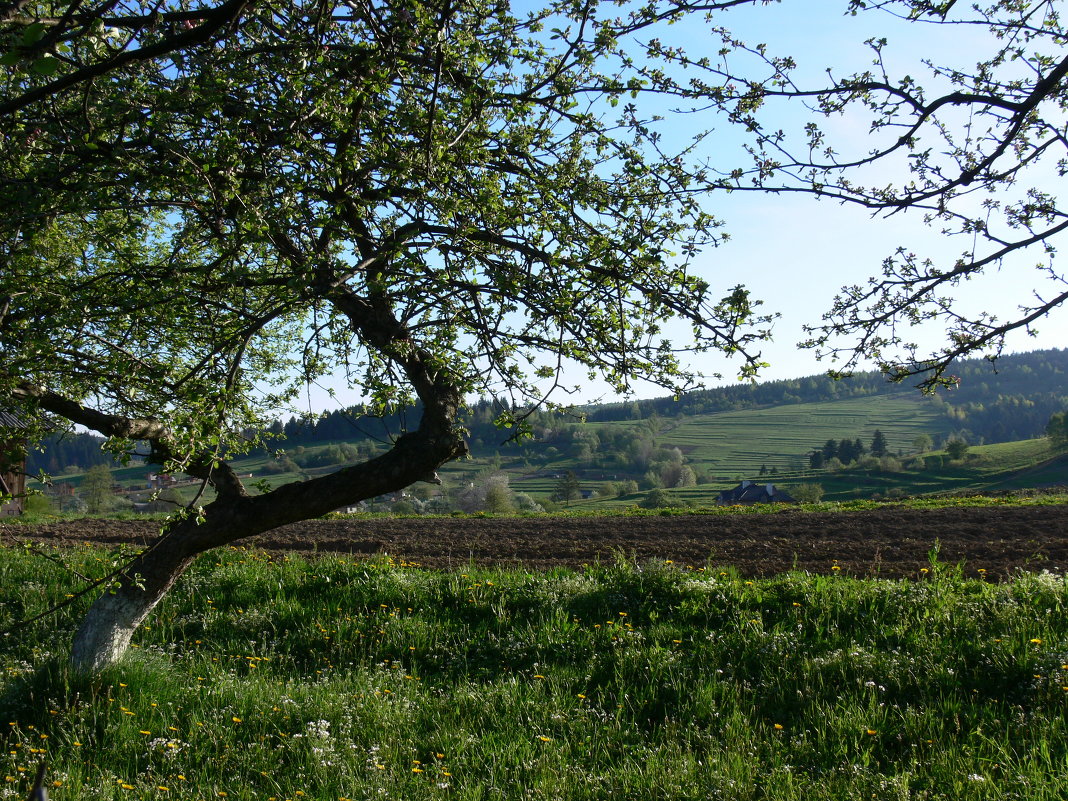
726, 447
1003, 467
739, 443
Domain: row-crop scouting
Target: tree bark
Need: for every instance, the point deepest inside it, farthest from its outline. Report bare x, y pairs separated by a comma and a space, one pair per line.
105, 633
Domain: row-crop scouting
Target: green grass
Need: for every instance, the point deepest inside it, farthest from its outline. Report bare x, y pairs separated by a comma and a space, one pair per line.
264, 678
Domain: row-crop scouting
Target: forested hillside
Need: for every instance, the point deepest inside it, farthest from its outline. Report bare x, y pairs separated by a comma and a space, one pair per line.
1010, 400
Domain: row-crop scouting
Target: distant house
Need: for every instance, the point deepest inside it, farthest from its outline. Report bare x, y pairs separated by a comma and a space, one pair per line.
12, 464
751, 492
161, 481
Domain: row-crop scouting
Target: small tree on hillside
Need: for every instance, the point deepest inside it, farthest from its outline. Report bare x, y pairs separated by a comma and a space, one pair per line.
567, 488
956, 448
499, 497
808, 493
1057, 430
658, 499
96, 489
878, 444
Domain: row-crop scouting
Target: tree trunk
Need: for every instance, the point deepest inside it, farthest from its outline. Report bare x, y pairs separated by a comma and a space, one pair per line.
111, 621
113, 618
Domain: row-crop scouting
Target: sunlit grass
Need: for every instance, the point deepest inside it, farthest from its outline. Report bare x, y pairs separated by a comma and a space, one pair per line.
266, 678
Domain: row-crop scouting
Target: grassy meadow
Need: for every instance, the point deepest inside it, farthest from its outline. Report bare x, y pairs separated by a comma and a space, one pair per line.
266, 678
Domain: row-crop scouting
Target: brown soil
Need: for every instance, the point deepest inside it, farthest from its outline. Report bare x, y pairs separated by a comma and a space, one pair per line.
889, 542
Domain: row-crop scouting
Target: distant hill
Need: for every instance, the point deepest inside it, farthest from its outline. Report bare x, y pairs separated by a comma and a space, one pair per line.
1010, 399
702, 441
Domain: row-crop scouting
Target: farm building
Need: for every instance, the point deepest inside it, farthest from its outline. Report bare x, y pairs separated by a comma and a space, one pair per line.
751, 492
12, 464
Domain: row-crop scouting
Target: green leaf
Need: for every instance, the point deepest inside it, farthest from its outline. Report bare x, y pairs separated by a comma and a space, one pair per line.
45, 66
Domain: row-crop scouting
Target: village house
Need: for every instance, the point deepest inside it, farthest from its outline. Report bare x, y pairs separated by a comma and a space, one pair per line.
751, 492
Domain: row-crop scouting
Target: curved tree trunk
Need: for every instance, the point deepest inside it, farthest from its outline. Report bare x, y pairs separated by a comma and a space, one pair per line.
108, 627
105, 634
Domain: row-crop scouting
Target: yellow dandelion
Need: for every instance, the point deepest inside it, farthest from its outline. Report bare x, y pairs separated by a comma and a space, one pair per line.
545, 739
236, 719
871, 731
1036, 640
778, 727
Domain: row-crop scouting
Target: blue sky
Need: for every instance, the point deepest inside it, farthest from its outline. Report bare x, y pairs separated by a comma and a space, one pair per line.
794, 252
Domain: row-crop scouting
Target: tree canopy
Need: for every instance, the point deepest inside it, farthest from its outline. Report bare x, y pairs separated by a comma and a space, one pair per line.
210, 206
435, 200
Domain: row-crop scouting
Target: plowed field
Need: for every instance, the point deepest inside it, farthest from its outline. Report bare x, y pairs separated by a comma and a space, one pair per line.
890, 542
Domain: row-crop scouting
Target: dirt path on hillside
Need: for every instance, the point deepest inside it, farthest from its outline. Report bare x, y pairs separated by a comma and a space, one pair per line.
890, 542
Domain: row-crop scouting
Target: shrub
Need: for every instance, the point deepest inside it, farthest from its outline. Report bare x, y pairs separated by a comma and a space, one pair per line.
37, 506
808, 493
956, 448
658, 499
